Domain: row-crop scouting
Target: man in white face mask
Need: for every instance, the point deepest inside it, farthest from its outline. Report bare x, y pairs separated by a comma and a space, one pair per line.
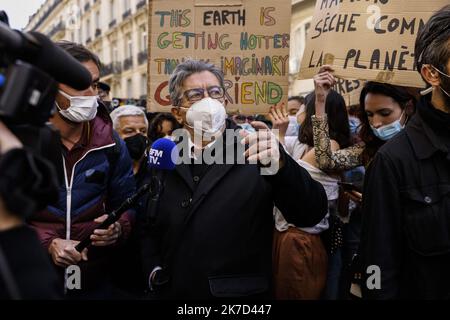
212, 234
201, 108
98, 178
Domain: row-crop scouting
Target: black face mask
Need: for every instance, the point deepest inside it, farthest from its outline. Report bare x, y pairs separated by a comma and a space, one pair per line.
136, 146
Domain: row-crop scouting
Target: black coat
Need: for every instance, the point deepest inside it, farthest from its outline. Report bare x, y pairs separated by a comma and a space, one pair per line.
225, 246
29, 264
406, 214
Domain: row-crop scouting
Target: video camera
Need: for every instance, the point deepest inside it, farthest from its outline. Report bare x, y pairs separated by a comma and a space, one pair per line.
31, 66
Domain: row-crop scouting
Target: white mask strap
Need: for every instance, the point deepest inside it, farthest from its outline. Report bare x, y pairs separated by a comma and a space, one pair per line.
65, 94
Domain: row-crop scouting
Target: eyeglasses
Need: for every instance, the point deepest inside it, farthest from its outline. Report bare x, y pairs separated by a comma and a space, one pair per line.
242, 118
197, 94
94, 86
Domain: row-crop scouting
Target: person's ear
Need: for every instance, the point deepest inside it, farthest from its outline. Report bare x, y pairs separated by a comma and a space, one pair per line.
62, 101
430, 75
410, 108
176, 113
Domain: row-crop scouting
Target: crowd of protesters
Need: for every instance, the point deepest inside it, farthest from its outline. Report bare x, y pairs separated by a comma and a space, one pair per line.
355, 201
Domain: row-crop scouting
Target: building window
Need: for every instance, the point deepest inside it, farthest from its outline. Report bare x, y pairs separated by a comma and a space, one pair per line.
114, 52
111, 12
297, 45
100, 54
126, 5
143, 37
88, 29
128, 46
129, 89
143, 84
97, 20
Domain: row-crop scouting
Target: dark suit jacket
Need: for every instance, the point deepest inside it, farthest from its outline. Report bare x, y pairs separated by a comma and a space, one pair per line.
215, 239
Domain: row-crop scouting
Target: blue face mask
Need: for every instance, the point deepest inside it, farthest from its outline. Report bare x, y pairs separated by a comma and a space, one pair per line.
247, 127
388, 131
353, 124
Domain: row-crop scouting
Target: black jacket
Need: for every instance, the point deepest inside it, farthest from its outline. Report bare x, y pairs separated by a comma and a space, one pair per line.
29, 264
406, 214
225, 246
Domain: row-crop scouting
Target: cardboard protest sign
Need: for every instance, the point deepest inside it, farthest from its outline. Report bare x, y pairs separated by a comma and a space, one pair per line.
350, 90
247, 39
367, 39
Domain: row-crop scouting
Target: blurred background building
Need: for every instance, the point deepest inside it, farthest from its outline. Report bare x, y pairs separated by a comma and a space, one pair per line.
116, 30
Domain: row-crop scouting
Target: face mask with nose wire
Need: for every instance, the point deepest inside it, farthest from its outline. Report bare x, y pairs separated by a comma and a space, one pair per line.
207, 115
81, 108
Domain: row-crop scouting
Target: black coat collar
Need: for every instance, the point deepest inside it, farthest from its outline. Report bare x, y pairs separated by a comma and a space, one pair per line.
424, 141
215, 172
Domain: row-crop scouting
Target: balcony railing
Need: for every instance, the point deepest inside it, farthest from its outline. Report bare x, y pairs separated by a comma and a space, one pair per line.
126, 14
141, 4
46, 14
59, 27
106, 70
113, 67
127, 63
112, 23
98, 32
142, 57
116, 67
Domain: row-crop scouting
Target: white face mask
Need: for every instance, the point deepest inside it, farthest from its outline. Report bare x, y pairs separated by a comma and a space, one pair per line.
82, 108
207, 115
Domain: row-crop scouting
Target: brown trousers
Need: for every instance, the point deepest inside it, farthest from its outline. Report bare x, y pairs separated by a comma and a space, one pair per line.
299, 265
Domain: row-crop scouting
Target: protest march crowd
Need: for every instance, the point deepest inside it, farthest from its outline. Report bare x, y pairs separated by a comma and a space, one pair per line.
314, 200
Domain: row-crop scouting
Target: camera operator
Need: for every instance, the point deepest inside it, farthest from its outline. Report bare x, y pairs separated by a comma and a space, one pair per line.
27, 183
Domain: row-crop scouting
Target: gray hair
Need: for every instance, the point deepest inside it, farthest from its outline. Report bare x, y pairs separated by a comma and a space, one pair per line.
184, 70
124, 111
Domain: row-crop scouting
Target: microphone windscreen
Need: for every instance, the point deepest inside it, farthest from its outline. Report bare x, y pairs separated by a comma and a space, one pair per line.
163, 154
59, 64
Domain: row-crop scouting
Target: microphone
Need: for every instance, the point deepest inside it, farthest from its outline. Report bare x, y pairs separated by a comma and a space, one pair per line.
162, 153
38, 50
162, 157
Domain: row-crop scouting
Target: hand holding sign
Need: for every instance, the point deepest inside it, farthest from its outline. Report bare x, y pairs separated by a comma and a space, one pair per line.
278, 115
369, 40
248, 40
323, 84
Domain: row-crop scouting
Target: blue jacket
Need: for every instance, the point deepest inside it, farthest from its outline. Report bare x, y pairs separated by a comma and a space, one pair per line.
100, 181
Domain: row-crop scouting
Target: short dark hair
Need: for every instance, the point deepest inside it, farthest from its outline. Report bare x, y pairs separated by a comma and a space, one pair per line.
104, 86
155, 127
337, 120
79, 52
432, 43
